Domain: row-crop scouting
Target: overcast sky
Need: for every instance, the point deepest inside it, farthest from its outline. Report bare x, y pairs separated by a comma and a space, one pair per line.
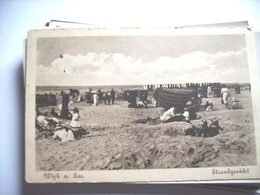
141, 60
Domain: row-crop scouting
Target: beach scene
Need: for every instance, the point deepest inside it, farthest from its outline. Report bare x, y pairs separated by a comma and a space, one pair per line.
143, 102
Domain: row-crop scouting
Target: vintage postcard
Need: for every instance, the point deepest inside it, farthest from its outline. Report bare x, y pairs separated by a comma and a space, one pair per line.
141, 105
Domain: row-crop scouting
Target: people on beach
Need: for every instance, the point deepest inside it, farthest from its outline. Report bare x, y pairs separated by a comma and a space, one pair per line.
208, 106
41, 118
224, 92
65, 114
45, 122
113, 95
186, 115
54, 113
105, 97
63, 134
234, 104
100, 94
95, 99
108, 97
75, 123
168, 114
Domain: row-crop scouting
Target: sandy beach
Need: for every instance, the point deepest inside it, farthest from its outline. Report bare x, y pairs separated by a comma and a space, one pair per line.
113, 141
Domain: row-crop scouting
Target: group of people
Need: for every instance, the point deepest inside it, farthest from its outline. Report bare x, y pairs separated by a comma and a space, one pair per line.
189, 113
108, 97
224, 99
51, 124
171, 115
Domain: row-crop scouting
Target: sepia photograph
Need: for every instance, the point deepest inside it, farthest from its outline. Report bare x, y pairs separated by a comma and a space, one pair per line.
143, 102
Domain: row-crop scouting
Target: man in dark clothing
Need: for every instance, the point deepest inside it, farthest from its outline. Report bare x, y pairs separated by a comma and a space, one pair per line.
113, 95
105, 97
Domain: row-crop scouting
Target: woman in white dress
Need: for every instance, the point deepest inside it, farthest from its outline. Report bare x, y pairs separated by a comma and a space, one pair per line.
168, 114
95, 98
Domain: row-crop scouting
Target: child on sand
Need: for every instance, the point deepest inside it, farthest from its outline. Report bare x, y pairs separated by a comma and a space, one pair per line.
75, 124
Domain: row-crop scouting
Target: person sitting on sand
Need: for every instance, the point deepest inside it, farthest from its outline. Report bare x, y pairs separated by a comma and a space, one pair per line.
63, 134
168, 114
75, 124
42, 119
186, 115
234, 104
45, 122
208, 106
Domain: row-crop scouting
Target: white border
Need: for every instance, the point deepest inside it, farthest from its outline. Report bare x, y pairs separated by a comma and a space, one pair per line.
145, 175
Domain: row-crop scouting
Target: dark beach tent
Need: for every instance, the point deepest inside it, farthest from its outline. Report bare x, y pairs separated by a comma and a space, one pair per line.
46, 100
175, 97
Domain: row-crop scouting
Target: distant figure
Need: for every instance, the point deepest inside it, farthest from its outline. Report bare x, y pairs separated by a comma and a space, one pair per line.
142, 98
224, 92
108, 97
113, 95
105, 97
208, 106
234, 104
100, 94
95, 99
141, 104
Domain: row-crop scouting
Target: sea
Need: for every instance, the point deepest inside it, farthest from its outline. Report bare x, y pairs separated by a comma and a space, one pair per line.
86, 88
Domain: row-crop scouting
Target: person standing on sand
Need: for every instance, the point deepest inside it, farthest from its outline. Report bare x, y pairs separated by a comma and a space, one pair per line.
108, 97
113, 95
75, 119
105, 97
224, 92
95, 98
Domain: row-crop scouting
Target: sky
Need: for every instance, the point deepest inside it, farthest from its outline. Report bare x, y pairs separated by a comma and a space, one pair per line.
128, 60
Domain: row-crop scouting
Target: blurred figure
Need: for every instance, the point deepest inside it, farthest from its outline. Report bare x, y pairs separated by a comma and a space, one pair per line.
108, 97
113, 95
224, 92
95, 99
208, 106
53, 113
186, 115
234, 103
105, 97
